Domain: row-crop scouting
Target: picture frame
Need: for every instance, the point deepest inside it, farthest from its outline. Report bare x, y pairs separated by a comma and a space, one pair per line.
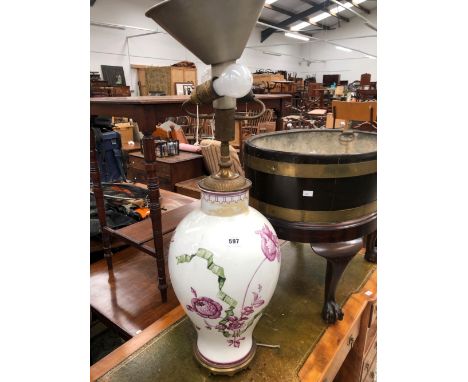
114, 75
184, 88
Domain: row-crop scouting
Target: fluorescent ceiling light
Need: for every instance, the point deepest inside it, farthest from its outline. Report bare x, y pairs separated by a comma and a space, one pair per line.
299, 37
342, 48
300, 26
270, 1
371, 57
357, 1
319, 17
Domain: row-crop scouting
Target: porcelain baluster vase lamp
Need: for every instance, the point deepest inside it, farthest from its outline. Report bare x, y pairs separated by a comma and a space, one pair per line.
224, 263
224, 258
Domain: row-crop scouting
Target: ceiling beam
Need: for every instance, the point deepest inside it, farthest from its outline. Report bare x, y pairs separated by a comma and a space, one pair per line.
359, 6
280, 10
265, 21
324, 6
310, 2
338, 16
297, 17
291, 14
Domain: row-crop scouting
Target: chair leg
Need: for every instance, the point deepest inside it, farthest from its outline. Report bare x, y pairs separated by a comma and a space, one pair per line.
106, 243
155, 211
99, 196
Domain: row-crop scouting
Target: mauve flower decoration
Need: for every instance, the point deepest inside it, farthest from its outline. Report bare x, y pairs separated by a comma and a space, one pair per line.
205, 306
270, 244
234, 323
235, 342
257, 302
247, 310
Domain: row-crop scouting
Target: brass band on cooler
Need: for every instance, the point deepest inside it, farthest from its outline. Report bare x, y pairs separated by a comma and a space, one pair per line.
313, 216
304, 170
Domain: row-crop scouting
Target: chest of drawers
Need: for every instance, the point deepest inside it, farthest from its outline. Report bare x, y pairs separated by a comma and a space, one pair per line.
170, 170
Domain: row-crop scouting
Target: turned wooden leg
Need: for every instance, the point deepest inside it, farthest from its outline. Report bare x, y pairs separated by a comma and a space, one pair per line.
371, 247
149, 151
338, 255
100, 206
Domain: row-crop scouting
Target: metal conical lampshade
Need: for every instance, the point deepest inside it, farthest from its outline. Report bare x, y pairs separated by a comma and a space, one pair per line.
215, 31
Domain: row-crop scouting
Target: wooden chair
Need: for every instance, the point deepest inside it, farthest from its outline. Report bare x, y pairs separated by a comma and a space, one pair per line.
255, 125
206, 130
118, 280
365, 79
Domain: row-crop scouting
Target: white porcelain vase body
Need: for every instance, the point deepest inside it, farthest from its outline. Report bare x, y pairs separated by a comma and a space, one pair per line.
224, 262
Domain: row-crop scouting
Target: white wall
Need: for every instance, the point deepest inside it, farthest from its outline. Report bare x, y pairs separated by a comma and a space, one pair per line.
109, 46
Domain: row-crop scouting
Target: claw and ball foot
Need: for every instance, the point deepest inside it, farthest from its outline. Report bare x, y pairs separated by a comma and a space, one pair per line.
338, 255
332, 312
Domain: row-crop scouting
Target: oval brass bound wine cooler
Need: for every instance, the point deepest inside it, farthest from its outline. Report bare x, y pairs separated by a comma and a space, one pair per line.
320, 187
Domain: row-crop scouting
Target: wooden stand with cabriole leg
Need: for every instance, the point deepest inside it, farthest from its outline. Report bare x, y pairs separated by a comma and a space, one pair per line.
338, 243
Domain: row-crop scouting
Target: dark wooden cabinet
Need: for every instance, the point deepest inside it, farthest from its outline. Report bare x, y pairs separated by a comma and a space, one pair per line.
170, 170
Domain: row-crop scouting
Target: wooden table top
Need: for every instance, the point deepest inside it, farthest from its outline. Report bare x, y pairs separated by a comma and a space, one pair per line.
142, 100
182, 157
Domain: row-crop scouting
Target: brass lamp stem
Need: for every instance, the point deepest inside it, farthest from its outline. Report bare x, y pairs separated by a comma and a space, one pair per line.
225, 110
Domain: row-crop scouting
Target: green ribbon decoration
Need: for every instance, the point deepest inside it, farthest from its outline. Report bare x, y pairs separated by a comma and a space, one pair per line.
218, 271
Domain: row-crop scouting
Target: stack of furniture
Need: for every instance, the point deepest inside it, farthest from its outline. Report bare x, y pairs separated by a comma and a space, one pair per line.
367, 89
284, 87
266, 80
100, 88
330, 79
315, 92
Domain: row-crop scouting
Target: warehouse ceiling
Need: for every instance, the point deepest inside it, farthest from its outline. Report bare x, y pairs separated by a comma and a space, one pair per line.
309, 16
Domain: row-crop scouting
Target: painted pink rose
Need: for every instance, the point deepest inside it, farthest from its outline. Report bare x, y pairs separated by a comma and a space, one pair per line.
270, 243
247, 310
205, 307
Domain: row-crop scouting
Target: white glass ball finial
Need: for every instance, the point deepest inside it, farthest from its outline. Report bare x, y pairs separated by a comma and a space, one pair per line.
235, 81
